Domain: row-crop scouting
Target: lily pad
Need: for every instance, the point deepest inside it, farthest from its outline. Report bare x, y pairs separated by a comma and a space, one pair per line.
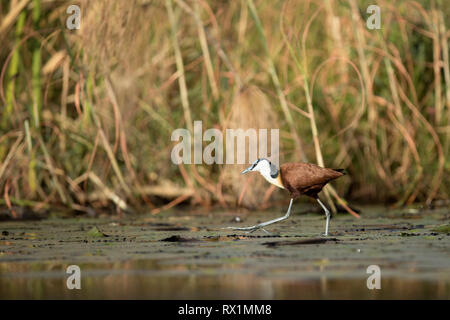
443, 229
177, 238
300, 242
96, 233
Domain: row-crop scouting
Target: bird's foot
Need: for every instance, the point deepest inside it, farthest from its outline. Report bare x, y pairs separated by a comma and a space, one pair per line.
325, 234
269, 233
263, 224
250, 229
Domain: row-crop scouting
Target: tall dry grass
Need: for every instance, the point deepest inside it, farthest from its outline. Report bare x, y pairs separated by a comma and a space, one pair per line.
87, 115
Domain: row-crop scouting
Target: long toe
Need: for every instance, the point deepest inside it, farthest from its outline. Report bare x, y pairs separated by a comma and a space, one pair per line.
267, 232
248, 229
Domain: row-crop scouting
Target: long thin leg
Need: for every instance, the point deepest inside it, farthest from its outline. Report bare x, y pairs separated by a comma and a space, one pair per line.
263, 224
327, 213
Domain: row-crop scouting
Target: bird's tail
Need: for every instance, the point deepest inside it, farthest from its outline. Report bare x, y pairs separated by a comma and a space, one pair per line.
340, 170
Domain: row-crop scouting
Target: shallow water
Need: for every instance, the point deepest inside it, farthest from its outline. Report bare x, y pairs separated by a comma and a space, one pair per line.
204, 262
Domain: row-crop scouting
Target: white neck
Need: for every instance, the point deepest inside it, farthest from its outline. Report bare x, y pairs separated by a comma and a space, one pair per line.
275, 181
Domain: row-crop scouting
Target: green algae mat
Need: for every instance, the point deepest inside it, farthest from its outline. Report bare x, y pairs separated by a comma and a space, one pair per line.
186, 255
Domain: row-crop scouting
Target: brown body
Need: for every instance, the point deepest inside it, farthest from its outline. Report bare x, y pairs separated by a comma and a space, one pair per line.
306, 178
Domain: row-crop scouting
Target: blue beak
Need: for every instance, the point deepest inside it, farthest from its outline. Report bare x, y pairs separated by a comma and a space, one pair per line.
246, 170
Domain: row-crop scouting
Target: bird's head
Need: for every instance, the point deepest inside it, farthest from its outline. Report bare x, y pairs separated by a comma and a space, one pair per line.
263, 166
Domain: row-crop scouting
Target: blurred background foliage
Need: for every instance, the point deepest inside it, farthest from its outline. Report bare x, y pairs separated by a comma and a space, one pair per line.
87, 115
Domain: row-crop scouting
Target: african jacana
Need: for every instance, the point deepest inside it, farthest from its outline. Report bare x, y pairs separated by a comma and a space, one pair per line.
299, 179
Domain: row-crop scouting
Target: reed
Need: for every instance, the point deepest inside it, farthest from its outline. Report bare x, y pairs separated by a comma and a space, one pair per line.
87, 115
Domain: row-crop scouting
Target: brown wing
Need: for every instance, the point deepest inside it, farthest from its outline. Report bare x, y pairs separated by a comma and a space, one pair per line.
306, 178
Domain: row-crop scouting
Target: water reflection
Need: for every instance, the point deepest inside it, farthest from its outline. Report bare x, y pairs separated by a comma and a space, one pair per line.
147, 279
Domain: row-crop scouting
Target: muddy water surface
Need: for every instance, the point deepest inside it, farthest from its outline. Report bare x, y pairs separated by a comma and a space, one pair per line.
187, 256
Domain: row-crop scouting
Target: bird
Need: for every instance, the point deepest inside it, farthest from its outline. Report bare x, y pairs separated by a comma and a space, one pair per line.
298, 178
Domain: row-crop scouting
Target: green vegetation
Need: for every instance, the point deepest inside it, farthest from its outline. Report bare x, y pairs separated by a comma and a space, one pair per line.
87, 115
443, 229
